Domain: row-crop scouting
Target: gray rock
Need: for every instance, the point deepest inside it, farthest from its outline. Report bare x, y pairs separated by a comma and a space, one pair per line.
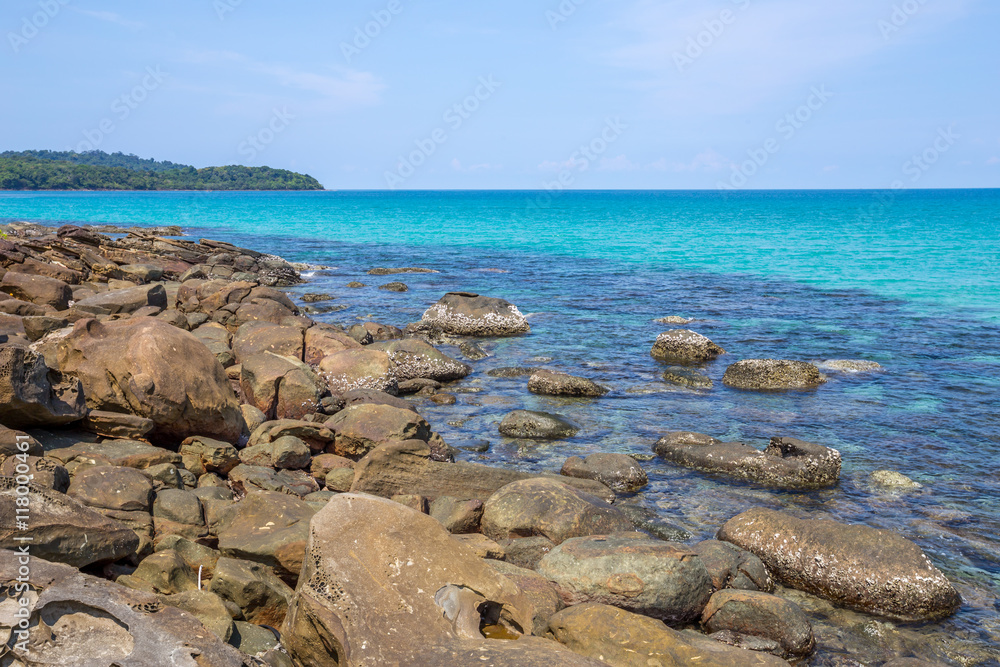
620, 472
772, 375
551, 383
760, 615
33, 395
126, 300
850, 366
416, 359
685, 346
685, 377
469, 314
890, 480
537, 426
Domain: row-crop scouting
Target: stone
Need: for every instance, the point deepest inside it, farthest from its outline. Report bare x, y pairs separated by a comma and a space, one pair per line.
217, 339
642, 575
180, 506
268, 528
620, 472
361, 428
760, 615
416, 359
457, 515
787, 463
127, 453
772, 375
472, 351
358, 369
61, 529
143, 272
204, 455
481, 545
685, 346
544, 597
44, 472
512, 371
890, 480
383, 271
732, 567
526, 552
373, 332
207, 608
406, 467
245, 478
77, 619
342, 609
290, 453
39, 290
549, 508
254, 640
129, 366
673, 319
201, 558
113, 488
876, 571
551, 383
36, 328
255, 338
339, 480
322, 340
125, 300
253, 416
535, 425
623, 639
394, 286
280, 387
685, 377
469, 314
260, 595
165, 572
316, 436
850, 366
359, 396
33, 395
118, 425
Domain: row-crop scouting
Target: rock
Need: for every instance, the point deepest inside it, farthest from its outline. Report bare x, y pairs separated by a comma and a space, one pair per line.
550, 508
642, 575
732, 567
126, 367
45, 472
685, 346
216, 338
472, 351
268, 528
772, 374
290, 453
36, 328
373, 332
180, 506
526, 552
165, 572
456, 515
18, 442
143, 272
33, 395
37, 289
416, 359
787, 463
875, 571
850, 366
760, 615
61, 529
406, 467
481, 545
394, 287
322, 340
76, 619
254, 640
294, 482
127, 453
316, 436
280, 387
117, 425
537, 426
620, 472
512, 371
339, 480
254, 338
381, 271
340, 609
544, 597
623, 639
550, 383
252, 416
203, 455
207, 608
363, 396
354, 284
125, 300
201, 558
890, 480
261, 596
673, 319
358, 369
685, 377
113, 488
314, 297
469, 314
361, 428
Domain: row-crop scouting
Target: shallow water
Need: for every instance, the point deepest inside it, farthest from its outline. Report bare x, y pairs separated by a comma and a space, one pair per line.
788, 275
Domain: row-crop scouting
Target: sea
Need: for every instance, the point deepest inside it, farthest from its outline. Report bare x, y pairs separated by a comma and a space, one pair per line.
907, 279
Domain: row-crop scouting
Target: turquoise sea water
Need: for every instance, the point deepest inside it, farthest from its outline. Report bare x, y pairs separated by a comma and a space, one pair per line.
909, 281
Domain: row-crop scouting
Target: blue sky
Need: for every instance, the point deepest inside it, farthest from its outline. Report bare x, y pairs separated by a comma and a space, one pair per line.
519, 94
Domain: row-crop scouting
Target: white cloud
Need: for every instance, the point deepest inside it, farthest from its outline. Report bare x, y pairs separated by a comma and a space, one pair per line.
111, 17
619, 163
456, 164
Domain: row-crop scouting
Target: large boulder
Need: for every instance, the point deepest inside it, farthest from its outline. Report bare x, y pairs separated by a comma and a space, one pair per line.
37, 289
74, 619
732, 567
113, 488
128, 453
407, 468
685, 346
548, 507
875, 571
623, 639
469, 314
551, 383
787, 463
269, 528
359, 369
416, 359
146, 367
760, 615
60, 529
33, 395
620, 472
261, 596
361, 428
772, 375
256, 337
280, 387
322, 340
400, 576
646, 576
536, 425
126, 300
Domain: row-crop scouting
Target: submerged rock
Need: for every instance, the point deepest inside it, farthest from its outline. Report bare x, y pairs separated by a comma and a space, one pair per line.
850, 366
872, 570
685, 377
787, 463
537, 426
469, 314
685, 346
772, 374
551, 383
890, 480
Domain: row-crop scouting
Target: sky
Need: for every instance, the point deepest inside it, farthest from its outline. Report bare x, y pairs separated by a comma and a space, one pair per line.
519, 94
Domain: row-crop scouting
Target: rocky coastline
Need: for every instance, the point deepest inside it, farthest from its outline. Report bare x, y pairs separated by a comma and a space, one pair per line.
192, 466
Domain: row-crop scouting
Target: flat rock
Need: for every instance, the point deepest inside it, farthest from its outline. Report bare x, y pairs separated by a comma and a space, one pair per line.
127, 453
551, 383
620, 472
875, 571
772, 375
850, 366
685, 377
361, 428
113, 488
39, 290
126, 300
269, 528
787, 463
534, 425
469, 314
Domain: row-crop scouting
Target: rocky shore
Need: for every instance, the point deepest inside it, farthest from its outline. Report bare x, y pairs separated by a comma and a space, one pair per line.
191, 466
